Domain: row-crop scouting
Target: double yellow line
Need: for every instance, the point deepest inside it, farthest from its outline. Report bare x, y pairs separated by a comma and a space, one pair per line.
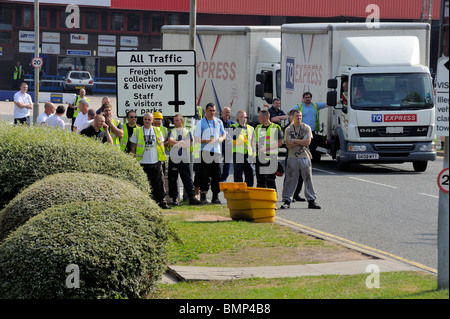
350, 244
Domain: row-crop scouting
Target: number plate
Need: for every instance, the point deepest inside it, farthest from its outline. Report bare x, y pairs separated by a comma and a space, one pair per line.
394, 130
367, 156
79, 87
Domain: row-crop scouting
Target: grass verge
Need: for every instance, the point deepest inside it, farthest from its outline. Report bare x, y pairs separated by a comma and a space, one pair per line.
210, 238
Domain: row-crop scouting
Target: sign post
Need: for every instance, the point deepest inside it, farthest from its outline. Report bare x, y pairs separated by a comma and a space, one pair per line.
156, 81
442, 123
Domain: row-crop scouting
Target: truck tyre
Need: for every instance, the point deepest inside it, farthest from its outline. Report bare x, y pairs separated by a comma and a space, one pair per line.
420, 166
342, 166
316, 156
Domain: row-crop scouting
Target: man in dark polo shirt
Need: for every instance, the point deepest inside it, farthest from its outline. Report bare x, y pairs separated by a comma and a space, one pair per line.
94, 130
276, 114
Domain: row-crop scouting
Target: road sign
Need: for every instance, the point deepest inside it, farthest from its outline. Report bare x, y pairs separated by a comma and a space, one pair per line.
443, 180
37, 62
442, 100
156, 81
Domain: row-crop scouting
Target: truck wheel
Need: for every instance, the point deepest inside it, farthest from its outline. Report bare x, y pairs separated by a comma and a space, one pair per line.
420, 166
316, 156
342, 166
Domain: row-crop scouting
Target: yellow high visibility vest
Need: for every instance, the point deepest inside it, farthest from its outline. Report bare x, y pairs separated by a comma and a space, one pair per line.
116, 141
243, 143
140, 145
77, 103
271, 127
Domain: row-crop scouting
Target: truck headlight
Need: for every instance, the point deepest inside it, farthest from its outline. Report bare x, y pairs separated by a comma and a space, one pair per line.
356, 148
428, 147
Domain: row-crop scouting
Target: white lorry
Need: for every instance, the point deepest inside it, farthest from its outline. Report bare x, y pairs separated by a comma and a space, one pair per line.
227, 61
389, 113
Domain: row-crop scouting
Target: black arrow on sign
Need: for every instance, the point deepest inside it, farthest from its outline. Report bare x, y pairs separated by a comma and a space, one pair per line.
176, 102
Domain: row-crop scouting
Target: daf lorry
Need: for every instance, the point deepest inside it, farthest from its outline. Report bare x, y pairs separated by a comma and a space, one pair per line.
376, 84
227, 61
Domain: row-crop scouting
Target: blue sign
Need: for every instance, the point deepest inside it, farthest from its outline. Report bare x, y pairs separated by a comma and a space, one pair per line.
79, 52
290, 73
377, 117
56, 97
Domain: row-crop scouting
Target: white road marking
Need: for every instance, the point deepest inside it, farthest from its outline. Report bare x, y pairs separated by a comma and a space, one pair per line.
429, 195
366, 181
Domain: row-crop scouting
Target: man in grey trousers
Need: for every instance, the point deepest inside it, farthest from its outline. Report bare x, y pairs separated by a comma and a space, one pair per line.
298, 137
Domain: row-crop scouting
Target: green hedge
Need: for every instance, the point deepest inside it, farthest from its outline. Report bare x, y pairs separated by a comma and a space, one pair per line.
119, 252
28, 154
64, 188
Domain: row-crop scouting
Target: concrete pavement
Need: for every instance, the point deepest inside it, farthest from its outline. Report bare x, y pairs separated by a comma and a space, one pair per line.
189, 273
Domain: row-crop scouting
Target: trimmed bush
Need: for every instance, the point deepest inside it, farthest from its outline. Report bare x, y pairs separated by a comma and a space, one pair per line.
64, 188
28, 154
118, 251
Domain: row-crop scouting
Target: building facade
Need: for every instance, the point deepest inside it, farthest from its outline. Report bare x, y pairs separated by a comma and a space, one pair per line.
85, 36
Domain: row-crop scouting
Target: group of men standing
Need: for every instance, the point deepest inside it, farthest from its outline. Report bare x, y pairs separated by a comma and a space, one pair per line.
214, 145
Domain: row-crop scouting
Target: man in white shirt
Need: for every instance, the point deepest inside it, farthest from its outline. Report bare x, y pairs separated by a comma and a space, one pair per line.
55, 120
22, 105
82, 116
148, 148
49, 109
91, 116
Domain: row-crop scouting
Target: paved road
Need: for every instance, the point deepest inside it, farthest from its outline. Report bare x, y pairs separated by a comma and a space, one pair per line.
387, 207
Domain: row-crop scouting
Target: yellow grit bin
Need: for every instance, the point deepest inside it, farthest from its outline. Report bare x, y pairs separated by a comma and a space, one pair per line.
250, 203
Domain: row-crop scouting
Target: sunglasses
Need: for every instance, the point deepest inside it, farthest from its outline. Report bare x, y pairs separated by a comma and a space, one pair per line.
132, 116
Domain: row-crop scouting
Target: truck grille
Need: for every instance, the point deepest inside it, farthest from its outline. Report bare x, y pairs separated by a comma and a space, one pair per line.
381, 131
393, 147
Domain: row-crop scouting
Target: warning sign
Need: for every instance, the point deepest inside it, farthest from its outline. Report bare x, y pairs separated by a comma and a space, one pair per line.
156, 81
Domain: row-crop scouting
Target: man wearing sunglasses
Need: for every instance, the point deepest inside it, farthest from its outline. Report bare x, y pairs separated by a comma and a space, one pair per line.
130, 124
180, 146
210, 133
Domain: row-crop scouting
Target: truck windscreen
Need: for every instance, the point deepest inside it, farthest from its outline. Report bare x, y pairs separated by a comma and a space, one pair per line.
400, 91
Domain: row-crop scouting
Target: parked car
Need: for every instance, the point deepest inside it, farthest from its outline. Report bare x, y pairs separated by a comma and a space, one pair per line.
76, 80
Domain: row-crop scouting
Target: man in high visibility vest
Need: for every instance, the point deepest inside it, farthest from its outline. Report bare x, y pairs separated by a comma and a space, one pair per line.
17, 75
115, 127
310, 112
75, 105
269, 138
147, 144
130, 125
244, 147
180, 145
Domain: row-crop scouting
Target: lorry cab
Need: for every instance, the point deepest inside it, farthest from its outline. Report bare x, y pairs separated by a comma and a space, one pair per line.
386, 114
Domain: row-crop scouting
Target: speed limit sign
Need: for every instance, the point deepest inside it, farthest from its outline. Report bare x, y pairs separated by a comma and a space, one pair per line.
37, 62
443, 180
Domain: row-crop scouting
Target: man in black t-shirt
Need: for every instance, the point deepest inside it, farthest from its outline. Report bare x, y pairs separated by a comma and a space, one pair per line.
94, 130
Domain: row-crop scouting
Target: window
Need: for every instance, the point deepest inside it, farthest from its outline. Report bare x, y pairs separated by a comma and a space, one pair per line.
53, 15
5, 26
134, 22
43, 18
91, 20
117, 21
27, 18
157, 22
71, 22
18, 16
5, 18
172, 19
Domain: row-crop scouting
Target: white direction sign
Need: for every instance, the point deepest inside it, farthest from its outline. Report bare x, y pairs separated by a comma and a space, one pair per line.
442, 99
156, 81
